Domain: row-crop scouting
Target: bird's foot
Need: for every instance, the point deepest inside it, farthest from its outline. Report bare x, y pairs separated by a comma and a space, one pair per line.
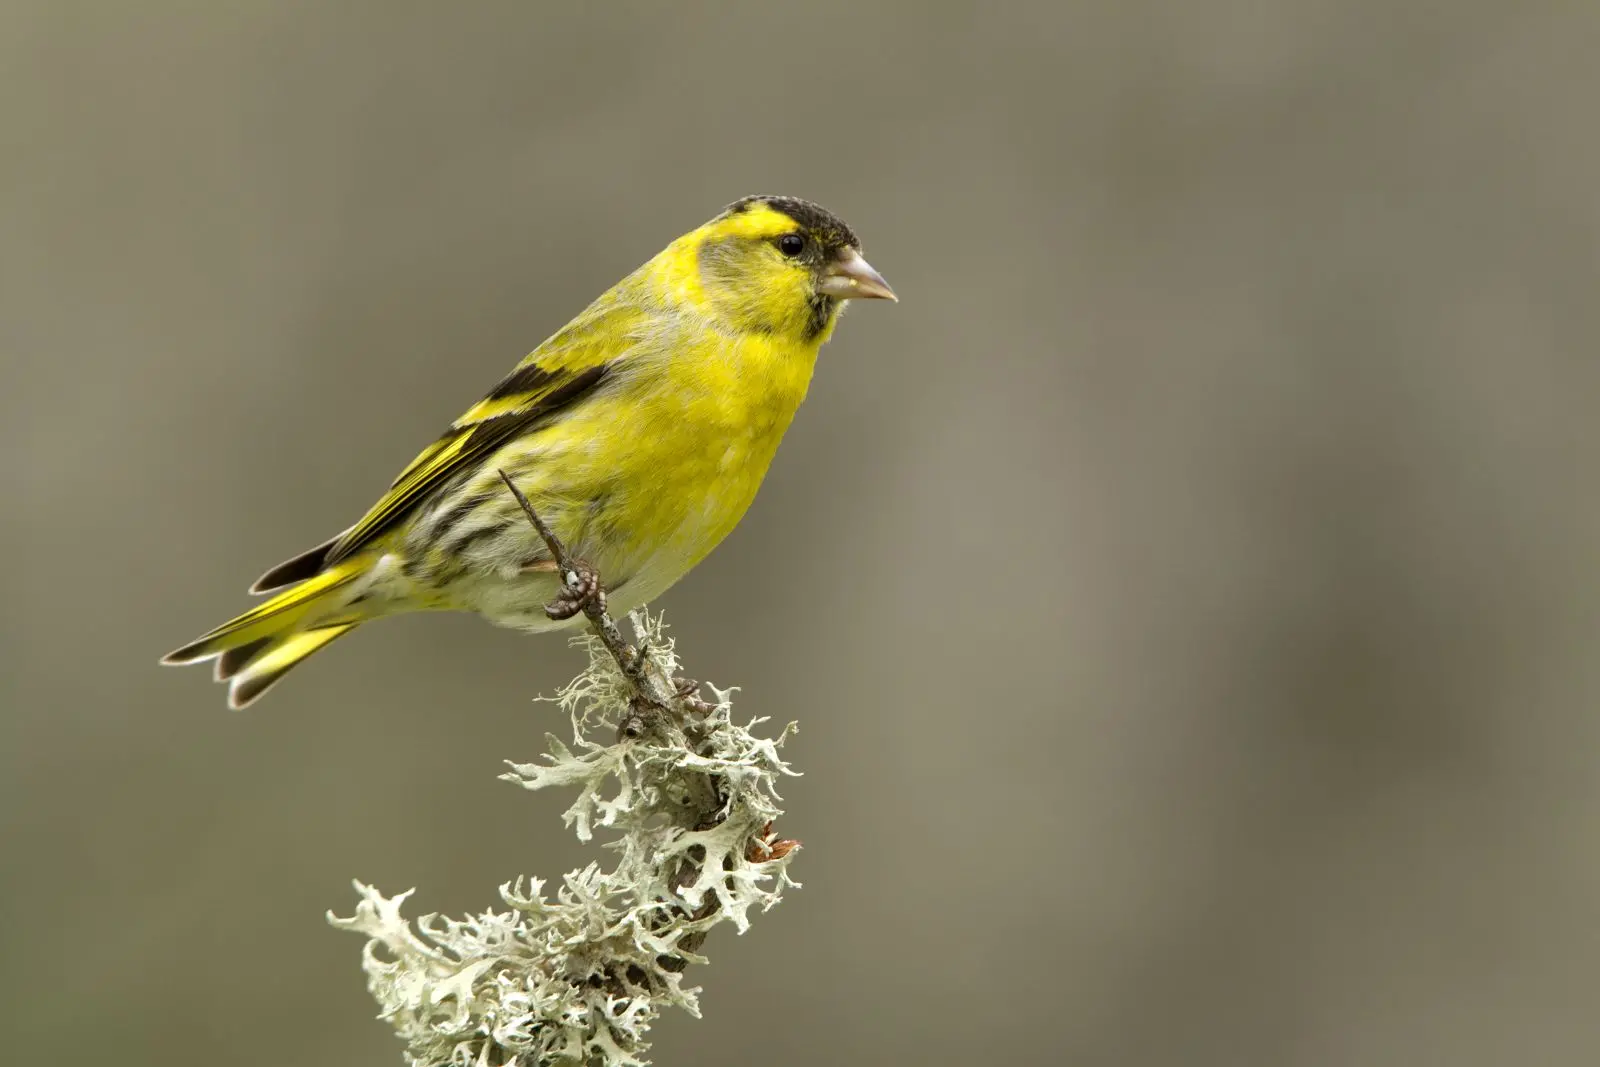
580, 587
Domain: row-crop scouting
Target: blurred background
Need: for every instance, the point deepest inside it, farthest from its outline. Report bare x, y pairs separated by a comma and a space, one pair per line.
1188, 593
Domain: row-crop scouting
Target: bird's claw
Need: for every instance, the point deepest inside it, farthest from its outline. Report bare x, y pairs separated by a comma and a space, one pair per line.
580, 587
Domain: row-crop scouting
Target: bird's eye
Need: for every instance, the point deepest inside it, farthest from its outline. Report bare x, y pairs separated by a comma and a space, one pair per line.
791, 244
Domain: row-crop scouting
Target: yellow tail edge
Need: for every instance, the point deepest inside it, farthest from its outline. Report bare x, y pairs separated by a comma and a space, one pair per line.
256, 648
275, 657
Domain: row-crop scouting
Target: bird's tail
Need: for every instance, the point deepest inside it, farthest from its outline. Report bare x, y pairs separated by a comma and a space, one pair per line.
256, 649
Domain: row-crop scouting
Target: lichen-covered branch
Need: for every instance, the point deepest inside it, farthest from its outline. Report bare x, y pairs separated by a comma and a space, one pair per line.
687, 796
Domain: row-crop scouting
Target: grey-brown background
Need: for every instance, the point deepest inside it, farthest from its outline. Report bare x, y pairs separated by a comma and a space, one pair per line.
1188, 592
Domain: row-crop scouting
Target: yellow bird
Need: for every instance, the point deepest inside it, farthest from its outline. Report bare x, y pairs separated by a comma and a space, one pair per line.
640, 432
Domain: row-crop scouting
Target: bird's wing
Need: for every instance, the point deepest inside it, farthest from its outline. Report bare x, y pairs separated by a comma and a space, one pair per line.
558, 373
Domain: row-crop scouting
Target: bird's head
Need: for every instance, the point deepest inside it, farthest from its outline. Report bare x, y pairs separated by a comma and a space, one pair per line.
775, 264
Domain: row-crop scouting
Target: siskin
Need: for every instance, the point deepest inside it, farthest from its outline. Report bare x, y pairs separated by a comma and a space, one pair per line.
640, 432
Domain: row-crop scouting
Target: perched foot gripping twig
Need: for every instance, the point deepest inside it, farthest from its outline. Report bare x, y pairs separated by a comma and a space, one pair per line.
579, 977
583, 591
580, 588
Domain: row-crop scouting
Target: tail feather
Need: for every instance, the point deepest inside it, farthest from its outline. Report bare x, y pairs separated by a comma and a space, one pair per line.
268, 619
238, 658
256, 649
273, 661
306, 565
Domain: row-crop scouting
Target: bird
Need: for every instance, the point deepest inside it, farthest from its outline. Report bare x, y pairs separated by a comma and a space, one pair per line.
640, 432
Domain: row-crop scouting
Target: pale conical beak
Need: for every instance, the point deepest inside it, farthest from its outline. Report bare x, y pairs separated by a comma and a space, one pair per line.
850, 277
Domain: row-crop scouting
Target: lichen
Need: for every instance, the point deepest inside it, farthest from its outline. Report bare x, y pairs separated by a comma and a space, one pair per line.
579, 976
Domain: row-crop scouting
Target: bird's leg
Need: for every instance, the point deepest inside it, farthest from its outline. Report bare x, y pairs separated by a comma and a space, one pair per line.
580, 587
581, 591
580, 582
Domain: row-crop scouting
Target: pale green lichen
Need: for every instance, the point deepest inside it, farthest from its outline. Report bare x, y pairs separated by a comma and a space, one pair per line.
580, 977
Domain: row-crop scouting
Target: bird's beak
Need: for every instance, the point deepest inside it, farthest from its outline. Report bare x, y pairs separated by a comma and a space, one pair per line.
850, 277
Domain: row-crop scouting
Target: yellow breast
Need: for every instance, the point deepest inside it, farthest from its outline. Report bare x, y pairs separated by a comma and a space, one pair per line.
719, 422
648, 483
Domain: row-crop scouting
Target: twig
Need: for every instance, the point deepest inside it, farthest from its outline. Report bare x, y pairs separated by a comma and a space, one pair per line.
654, 694
634, 664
